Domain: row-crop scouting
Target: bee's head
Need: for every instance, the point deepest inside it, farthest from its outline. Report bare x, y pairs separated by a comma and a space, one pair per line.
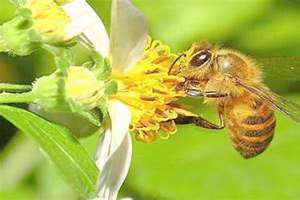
195, 62
203, 60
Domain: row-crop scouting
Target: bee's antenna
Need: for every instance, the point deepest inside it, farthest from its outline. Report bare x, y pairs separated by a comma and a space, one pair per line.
175, 61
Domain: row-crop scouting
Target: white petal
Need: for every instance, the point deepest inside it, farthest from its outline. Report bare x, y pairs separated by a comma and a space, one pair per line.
102, 152
114, 152
128, 35
85, 20
115, 171
120, 119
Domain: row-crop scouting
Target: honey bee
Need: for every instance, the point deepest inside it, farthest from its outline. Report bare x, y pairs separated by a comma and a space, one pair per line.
234, 83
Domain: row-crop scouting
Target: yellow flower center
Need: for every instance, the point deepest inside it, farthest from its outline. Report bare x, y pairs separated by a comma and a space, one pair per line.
150, 92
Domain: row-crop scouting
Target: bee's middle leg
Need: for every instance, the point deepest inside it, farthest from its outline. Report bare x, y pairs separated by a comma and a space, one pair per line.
208, 94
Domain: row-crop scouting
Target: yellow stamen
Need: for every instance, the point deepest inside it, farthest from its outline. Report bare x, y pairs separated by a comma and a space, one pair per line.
150, 91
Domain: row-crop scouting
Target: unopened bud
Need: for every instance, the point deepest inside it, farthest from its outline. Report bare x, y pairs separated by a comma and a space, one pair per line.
83, 87
58, 93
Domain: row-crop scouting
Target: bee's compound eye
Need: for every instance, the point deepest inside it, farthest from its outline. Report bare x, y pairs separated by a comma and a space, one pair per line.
200, 58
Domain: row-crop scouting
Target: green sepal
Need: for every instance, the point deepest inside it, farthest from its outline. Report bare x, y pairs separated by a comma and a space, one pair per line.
88, 64
105, 71
99, 66
50, 92
17, 36
111, 88
103, 108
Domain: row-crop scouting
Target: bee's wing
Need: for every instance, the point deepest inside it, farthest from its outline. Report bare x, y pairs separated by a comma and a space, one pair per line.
283, 67
287, 107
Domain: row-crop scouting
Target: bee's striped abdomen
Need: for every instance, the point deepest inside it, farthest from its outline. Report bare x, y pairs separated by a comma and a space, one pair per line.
251, 127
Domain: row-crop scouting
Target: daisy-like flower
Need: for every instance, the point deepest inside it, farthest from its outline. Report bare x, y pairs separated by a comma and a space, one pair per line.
144, 103
59, 21
49, 21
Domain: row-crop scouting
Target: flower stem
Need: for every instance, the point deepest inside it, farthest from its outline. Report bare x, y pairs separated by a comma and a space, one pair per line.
26, 97
14, 87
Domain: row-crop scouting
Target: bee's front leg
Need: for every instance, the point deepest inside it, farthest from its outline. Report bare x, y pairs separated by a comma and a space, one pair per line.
199, 121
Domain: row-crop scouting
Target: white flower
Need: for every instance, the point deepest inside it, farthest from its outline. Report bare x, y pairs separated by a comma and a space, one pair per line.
128, 40
61, 20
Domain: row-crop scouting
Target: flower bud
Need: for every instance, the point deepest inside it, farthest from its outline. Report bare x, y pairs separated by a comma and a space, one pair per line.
70, 99
83, 87
58, 93
37, 22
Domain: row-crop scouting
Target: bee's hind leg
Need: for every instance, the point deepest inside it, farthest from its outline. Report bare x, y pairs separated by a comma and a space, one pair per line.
199, 121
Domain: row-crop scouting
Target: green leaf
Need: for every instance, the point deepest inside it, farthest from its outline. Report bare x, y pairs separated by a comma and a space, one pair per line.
60, 146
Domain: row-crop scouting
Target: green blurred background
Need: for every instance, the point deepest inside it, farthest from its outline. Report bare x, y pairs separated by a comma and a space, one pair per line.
195, 163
